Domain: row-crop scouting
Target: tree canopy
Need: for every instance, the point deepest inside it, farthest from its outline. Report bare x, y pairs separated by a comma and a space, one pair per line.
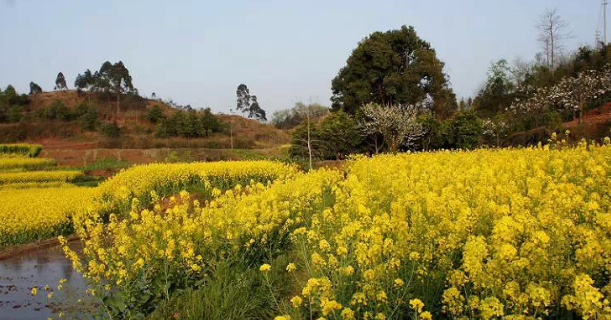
496, 96
85, 80
35, 88
60, 82
290, 118
114, 79
248, 104
393, 68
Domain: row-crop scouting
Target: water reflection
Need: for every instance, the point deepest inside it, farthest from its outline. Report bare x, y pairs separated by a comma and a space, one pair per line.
39, 268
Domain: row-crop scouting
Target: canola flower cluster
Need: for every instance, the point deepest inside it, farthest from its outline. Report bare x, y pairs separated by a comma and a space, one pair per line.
39, 204
36, 214
166, 179
153, 248
485, 234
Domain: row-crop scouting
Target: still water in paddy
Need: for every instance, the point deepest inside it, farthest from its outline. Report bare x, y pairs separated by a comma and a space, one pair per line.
39, 268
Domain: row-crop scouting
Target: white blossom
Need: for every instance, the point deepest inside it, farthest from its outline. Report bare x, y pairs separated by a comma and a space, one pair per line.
397, 124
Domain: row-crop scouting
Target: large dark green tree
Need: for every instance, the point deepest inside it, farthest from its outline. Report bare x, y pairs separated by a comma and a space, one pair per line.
390, 68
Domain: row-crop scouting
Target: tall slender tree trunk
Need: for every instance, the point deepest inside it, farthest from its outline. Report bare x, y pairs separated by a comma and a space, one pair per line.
231, 132
581, 103
552, 52
118, 108
376, 144
309, 140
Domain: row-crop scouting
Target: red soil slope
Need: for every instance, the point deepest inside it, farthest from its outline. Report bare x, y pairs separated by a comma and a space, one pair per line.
598, 115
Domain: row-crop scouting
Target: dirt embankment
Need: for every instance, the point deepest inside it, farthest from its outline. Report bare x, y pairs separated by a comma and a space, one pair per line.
17, 250
595, 125
601, 114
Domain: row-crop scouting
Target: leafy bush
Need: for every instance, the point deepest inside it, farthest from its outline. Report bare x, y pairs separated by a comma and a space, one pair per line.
341, 135
15, 113
57, 110
89, 119
111, 130
465, 130
335, 137
155, 114
438, 133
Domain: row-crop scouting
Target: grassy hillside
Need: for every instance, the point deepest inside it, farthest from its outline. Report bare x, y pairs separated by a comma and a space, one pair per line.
137, 131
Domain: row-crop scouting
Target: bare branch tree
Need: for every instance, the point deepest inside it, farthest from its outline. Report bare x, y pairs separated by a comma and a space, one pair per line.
519, 70
307, 110
552, 34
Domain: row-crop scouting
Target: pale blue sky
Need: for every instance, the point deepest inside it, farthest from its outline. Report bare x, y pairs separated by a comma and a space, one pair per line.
198, 52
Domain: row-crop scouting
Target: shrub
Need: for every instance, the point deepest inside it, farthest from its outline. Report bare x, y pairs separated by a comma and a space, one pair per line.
341, 135
465, 128
89, 120
189, 124
111, 130
15, 113
155, 114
